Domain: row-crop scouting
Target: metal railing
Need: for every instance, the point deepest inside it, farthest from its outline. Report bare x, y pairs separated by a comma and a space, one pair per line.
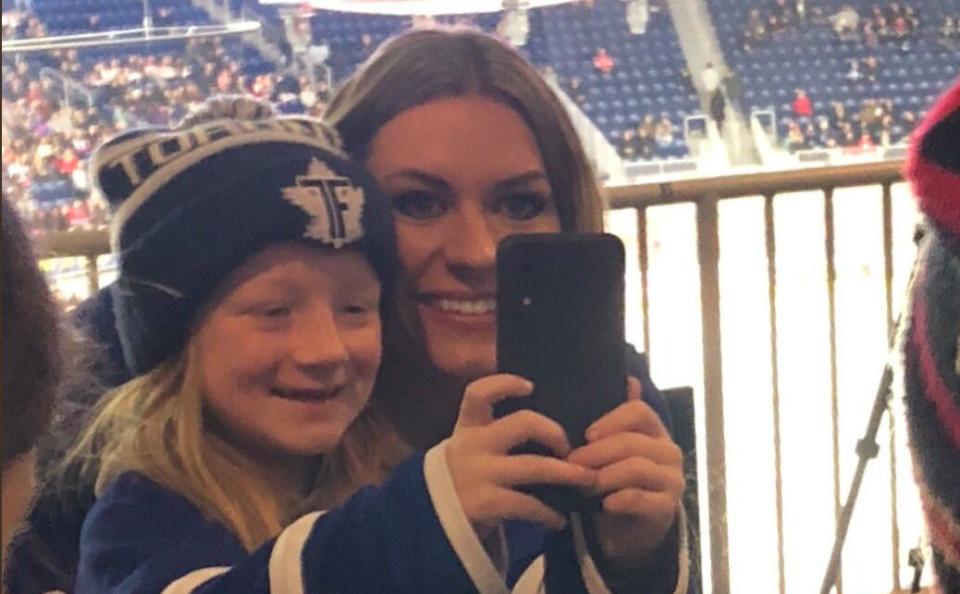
706, 196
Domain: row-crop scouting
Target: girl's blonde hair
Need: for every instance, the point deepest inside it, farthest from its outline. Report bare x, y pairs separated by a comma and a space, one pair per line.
156, 425
423, 65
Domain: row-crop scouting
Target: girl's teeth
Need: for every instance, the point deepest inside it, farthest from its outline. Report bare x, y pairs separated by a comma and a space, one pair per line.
478, 307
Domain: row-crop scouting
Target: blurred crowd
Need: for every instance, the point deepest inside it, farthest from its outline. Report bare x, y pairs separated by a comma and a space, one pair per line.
58, 108
877, 123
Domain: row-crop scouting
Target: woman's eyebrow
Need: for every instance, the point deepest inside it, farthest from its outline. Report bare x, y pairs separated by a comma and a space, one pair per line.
521, 179
427, 179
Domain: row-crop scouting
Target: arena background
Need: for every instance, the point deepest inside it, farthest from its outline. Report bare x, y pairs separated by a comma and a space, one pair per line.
638, 77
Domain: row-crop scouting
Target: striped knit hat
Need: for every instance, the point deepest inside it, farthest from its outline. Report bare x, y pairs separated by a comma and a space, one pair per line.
193, 203
932, 338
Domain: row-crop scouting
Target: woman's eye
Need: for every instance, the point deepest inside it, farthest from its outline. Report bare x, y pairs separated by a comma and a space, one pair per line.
522, 206
419, 205
358, 308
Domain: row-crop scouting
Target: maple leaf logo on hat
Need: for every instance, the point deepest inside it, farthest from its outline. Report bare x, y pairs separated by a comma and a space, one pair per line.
332, 201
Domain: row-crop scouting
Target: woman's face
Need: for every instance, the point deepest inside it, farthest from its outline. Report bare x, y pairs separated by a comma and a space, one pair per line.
289, 353
462, 174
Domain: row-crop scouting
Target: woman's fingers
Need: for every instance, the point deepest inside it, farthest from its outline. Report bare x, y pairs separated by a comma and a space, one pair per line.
526, 425
640, 504
476, 409
528, 469
617, 447
639, 473
633, 415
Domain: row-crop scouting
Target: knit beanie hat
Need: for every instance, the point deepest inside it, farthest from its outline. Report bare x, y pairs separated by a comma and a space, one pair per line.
931, 340
192, 203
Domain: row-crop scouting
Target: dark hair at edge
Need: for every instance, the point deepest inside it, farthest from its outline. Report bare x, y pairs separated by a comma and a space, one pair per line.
31, 348
464, 61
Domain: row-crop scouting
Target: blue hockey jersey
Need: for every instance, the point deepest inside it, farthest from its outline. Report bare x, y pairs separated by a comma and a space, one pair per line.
407, 536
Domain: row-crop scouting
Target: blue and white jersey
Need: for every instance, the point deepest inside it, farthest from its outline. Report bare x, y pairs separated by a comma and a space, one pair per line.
409, 535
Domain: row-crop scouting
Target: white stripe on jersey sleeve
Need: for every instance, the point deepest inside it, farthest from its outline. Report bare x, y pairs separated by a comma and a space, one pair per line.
531, 581
460, 533
194, 579
286, 559
591, 575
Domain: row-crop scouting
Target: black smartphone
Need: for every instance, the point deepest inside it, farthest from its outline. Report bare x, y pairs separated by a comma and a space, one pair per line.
560, 311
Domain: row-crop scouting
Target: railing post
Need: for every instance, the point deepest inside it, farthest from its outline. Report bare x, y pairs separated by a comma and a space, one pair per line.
93, 274
831, 272
644, 263
708, 247
891, 421
769, 222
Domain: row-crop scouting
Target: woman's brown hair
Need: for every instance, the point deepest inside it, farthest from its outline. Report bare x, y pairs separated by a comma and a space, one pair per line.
423, 65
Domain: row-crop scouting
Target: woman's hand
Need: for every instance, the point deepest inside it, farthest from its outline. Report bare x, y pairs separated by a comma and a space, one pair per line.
485, 475
640, 476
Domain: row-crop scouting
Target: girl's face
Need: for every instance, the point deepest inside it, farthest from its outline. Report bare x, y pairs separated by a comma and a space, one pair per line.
289, 352
462, 174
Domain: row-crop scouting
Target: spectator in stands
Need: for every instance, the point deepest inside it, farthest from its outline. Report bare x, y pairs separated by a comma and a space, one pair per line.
825, 136
718, 109
870, 68
929, 342
646, 145
886, 133
687, 79
603, 61
367, 46
755, 33
837, 115
663, 134
576, 90
801, 106
854, 75
795, 138
871, 115
629, 146
870, 37
31, 366
733, 84
846, 22
373, 113
949, 34
913, 22
710, 79
848, 137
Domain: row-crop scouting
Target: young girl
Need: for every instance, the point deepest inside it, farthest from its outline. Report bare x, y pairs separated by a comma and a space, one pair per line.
253, 256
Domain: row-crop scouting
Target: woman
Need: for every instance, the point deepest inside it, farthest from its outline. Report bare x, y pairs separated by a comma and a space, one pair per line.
471, 146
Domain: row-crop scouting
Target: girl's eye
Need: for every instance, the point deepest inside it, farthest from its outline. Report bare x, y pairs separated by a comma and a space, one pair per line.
273, 311
419, 205
522, 206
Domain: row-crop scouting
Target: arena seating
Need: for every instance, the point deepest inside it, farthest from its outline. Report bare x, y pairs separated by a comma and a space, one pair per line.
809, 55
646, 77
